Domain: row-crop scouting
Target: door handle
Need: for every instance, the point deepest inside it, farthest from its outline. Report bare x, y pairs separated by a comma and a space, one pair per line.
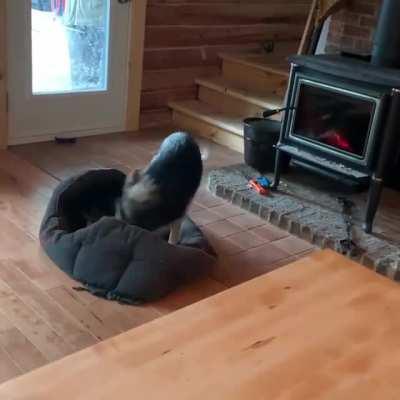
123, 1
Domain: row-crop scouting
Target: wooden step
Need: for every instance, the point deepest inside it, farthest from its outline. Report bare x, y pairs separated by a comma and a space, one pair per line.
205, 120
188, 57
160, 86
209, 114
263, 100
256, 72
176, 77
227, 104
260, 61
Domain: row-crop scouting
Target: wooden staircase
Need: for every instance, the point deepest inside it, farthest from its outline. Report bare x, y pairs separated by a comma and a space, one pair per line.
183, 41
249, 83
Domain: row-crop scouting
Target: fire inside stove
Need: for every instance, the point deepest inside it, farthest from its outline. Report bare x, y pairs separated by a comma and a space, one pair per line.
334, 119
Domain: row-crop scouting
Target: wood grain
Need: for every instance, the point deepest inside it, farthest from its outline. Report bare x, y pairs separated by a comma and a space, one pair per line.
252, 78
159, 99
264, 98
182, 35
41, 317
223, 14
189, 57
135, 67
191, 36
208, 130
251, 82
156, 118
25, 355
302, 332
309, 29
175, 78
186, 57
3, 77
229, 104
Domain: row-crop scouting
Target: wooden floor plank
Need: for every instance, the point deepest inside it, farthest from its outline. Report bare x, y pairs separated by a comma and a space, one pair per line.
26, 174
14, 242
8, 369
24, 354
35, 328
64, 324
41, 316
122, 317
5, 324
67, 299
190, 294
23, 250
22, 207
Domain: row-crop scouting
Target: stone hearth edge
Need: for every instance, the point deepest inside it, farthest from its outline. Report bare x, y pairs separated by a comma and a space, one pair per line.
322, 227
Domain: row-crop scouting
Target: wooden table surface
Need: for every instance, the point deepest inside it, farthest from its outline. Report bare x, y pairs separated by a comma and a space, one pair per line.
321, 328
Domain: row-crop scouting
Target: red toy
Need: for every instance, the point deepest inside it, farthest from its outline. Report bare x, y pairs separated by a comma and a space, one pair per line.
255, 185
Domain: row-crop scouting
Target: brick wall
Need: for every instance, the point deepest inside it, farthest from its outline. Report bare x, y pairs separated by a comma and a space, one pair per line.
352, 29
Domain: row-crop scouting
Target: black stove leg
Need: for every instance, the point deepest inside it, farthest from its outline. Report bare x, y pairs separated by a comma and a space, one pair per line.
386, 150
374, 196
279, 159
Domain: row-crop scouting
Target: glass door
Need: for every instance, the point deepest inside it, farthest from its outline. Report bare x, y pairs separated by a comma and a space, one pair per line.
68, 63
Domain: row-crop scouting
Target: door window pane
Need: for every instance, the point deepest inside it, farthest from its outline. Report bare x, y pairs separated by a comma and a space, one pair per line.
69, 45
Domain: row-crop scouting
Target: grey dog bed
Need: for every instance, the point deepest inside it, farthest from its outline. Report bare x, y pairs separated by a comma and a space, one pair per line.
109, 257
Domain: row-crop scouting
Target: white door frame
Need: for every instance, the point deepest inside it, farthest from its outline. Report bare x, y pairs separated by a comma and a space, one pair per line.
135, 70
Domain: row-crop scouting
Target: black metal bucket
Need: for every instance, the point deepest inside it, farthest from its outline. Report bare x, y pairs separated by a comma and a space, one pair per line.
260, 137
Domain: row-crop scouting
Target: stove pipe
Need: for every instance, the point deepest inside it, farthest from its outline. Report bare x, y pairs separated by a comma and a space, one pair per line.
386, 48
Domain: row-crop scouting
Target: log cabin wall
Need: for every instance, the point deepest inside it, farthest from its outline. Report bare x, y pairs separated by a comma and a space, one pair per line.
183, 39
3, 77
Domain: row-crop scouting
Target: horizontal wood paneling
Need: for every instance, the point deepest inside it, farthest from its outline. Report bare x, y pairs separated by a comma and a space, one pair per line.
175, 36
184, 37
172, 78
135, 70
3, 85
185, 57
231, 2
223, 13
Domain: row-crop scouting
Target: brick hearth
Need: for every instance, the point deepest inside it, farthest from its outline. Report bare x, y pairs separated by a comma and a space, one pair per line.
309, 214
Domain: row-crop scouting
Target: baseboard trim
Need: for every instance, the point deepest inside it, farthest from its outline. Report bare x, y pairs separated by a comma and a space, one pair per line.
50, 137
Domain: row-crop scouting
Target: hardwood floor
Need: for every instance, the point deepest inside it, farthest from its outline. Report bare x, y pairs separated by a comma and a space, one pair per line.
42, 318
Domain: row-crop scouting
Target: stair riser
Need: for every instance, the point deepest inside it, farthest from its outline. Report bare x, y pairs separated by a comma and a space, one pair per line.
252, 78
209, 131
225, 103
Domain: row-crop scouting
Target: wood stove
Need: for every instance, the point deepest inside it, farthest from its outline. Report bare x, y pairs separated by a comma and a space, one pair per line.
342, 121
